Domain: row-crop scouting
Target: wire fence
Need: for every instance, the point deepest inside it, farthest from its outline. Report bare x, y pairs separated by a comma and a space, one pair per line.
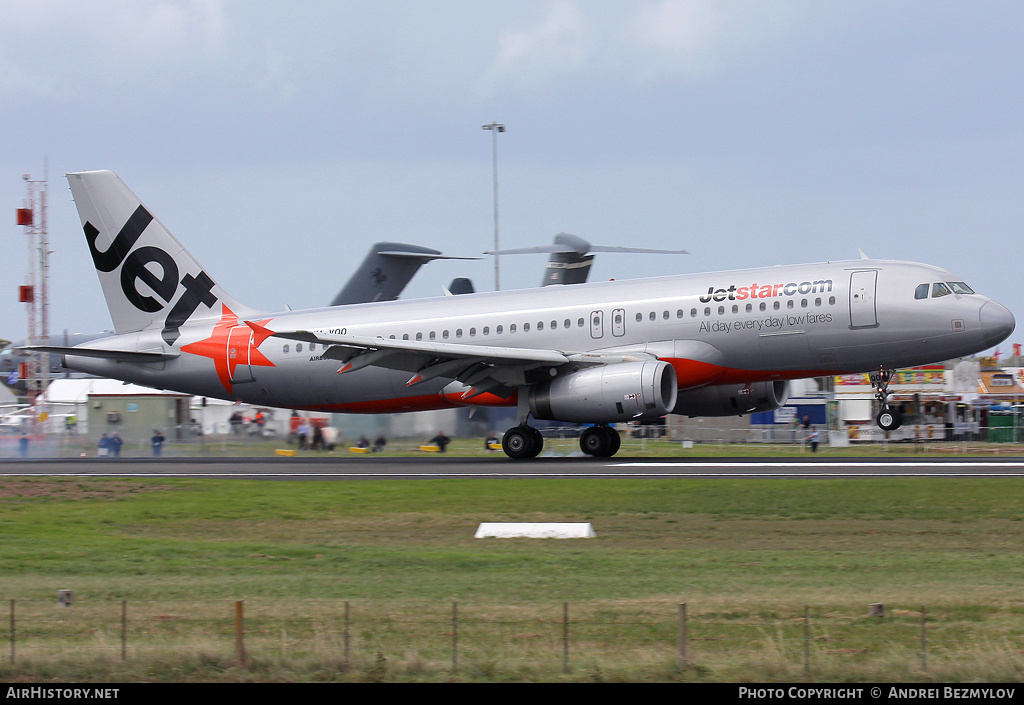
137, 442
548, 636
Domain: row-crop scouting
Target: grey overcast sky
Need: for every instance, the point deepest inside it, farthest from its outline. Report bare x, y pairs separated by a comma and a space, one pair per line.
278, 140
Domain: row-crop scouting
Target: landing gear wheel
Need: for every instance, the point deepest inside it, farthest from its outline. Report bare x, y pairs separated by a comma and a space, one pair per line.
889, 420
538, 441
614, 442
600, 441
522, 442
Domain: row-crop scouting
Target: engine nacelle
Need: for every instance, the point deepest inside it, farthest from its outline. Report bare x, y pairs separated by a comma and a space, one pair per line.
732, 399
623, 391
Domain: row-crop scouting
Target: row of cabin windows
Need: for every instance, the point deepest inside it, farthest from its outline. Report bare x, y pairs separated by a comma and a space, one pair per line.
486, 330
498, 330
747, 308
567, 323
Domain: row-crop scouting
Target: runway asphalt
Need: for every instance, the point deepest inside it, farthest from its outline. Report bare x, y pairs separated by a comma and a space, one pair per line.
378, 468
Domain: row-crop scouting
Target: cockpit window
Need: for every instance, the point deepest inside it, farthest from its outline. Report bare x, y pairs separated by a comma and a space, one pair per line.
921, 292
940, 289
960, 288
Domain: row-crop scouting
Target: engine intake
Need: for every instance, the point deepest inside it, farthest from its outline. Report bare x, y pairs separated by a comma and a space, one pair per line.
620, 392
733, 399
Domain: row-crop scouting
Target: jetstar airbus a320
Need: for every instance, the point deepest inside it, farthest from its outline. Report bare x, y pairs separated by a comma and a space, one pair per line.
724, 343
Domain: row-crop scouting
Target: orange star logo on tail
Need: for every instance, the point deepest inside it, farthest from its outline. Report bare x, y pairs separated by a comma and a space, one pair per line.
231, 345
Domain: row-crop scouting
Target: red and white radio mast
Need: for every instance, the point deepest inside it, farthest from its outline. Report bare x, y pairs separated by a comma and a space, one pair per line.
35, 292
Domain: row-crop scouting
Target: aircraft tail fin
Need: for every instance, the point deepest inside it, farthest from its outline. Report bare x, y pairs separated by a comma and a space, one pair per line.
149, 279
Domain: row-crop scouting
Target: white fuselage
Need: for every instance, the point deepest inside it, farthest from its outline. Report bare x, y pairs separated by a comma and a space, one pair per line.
720, 328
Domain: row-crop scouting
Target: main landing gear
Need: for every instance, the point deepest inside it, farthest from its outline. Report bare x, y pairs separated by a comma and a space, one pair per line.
600, 441
888, 419
523, 442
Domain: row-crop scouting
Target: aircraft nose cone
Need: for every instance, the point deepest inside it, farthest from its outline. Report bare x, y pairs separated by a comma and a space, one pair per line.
996, 323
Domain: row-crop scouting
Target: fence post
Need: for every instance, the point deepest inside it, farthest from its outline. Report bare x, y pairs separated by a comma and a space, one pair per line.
12, 632
124, 630
455, 636
239, 635
682, 635
807, 638
565, 637
346, 662
924, 642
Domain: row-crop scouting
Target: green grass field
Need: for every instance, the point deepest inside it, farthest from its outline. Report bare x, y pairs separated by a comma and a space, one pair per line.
746, 556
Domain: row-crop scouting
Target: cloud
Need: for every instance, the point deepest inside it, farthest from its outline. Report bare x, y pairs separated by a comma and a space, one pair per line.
539, 55
697, 38
50, 47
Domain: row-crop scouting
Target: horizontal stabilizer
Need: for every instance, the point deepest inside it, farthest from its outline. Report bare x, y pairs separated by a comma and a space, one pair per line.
571, 244
120, 355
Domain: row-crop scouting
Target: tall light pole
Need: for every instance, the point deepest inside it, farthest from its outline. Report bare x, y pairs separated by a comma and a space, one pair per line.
495, 128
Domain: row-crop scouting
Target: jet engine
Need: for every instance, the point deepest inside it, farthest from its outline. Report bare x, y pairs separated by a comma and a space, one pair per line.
622, 391
732, 399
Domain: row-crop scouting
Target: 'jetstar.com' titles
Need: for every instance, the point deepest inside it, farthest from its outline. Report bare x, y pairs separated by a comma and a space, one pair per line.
766, 291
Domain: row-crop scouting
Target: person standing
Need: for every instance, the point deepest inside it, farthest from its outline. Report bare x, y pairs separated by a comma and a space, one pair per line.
441, 441
157, 441
813, 438
114, 443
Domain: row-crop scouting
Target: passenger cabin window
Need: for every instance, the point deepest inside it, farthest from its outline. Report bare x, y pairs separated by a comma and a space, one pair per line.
940, 289
921, 292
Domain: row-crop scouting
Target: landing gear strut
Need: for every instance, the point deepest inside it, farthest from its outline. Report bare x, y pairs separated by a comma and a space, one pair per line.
888, 419
600, 441
522, 442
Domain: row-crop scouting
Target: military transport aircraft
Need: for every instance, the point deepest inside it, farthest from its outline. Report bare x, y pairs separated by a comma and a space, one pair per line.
571, 257
716, 344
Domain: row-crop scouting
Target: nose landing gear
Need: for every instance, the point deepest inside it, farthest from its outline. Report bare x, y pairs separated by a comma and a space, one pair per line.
888, 419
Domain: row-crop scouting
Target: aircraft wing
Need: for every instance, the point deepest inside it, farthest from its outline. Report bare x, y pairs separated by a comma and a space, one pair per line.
119, 355
486, 368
